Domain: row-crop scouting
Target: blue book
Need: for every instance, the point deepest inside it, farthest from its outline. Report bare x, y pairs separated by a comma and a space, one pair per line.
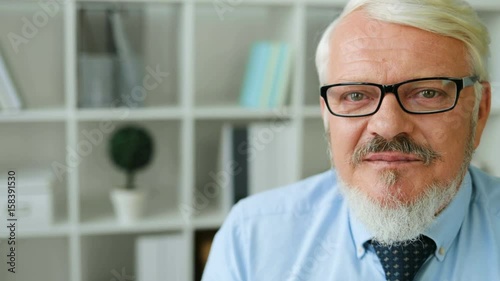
270, 74
255, 74
281, 77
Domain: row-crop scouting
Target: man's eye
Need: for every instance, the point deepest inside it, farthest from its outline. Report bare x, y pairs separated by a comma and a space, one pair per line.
428, 94
355, 96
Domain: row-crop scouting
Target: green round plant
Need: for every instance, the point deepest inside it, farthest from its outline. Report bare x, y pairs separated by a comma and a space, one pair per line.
131, 149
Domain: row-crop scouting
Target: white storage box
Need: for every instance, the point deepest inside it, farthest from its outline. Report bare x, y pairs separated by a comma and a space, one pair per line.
33, 195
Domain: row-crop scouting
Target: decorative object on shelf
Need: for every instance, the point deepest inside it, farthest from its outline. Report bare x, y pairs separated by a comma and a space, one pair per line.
9, 98
131, 149
267, 75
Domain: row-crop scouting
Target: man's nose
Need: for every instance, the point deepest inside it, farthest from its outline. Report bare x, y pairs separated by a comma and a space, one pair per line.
390, 120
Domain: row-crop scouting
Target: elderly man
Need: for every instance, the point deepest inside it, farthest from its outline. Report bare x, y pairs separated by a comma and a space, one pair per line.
405, 98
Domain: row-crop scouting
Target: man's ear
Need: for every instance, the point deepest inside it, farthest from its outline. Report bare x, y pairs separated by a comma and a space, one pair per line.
484, 112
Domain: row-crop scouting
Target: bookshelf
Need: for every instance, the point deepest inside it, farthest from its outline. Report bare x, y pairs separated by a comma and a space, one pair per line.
205, 54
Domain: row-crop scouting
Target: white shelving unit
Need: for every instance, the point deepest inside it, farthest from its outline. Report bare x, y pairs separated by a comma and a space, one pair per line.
205, 52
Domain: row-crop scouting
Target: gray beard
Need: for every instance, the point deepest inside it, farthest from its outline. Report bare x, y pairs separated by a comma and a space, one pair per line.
399, 221
394, 221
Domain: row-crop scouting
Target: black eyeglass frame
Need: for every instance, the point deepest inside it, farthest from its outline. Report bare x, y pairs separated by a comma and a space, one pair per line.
460, 83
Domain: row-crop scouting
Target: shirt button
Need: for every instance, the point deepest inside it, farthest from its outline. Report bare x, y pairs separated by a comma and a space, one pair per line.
360, 250
442, 251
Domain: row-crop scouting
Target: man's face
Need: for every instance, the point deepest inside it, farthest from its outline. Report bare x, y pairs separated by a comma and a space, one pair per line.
364, 50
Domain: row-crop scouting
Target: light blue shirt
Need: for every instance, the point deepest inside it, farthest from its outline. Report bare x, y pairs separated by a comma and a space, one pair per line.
305, 231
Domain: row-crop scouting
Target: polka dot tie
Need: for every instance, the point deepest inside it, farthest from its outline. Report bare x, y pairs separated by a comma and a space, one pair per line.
402, 261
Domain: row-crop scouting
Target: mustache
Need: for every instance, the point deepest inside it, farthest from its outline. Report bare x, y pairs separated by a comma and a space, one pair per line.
400, 143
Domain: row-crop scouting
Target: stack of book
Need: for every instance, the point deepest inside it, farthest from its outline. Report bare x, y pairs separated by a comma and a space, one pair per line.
257, 157
9, 98
267, 75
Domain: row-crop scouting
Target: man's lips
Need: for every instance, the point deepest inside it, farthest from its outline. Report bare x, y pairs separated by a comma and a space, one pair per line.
391, 157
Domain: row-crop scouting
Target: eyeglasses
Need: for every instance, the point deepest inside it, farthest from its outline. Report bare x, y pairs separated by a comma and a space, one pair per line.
417, 96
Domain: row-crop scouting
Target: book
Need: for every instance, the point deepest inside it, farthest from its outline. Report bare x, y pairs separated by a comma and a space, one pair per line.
255, 158
161, 257
271, 156
127, 60
266, 80
255, 74
270, 75
282, 77
233, 164
9, 98
240, 157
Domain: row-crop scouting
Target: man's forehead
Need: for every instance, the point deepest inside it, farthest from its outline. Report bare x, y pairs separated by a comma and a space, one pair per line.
360, 42
358, 32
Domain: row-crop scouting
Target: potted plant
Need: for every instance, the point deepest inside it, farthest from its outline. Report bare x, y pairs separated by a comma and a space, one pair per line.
130, 149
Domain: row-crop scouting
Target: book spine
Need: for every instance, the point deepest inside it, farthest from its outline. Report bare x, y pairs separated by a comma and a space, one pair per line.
127, 60
147, 258
283, 78
240, 158
225, 166
254, 76
270, 75
272, 162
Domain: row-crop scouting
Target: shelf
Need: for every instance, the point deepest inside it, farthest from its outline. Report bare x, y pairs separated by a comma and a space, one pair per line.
98, 176
107, 224
227, 38
204, 48
237, 112
339, 3
38, 259
209, 219
58, 229
154, 67
35, 61
32, 145
129, 114
33, 115
130, 1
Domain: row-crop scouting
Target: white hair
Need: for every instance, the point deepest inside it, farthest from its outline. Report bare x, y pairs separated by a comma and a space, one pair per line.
451, 18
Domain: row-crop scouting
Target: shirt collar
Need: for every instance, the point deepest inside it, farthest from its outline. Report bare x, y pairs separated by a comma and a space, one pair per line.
447, 224
443, 231
359, 234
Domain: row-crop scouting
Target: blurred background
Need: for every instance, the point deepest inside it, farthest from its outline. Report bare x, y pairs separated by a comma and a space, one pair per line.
130, 128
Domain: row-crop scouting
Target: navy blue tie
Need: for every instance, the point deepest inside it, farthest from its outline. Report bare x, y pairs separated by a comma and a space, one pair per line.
402, 261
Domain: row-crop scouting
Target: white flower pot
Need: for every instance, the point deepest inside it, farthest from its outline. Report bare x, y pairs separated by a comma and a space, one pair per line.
128, 204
